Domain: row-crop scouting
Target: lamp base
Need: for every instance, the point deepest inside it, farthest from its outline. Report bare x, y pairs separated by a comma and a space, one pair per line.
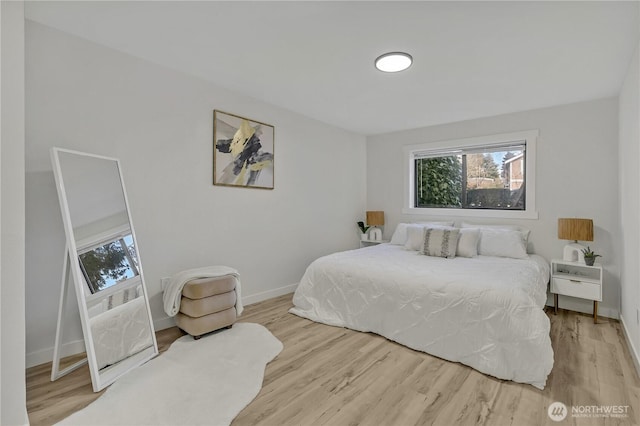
375, 234
573, 253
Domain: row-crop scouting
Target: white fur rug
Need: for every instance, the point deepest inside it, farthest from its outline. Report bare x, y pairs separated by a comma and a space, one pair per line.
195, 382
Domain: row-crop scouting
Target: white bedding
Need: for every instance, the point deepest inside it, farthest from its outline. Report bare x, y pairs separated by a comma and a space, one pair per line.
485, 312
121, 332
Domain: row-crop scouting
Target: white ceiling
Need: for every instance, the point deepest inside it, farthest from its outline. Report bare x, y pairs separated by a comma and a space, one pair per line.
471, 59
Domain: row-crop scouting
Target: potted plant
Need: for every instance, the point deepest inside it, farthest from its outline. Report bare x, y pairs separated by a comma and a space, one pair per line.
589, 256
363, 230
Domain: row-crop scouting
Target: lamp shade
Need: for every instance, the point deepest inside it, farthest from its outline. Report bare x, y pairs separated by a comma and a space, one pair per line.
375, 218
575, 229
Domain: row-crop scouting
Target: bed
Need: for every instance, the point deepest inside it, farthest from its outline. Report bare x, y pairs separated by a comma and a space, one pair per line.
485, 312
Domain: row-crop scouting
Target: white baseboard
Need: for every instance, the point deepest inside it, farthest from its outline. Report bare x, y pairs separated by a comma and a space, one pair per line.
632, 349
583, 306
168, 322
164, 322
269, 294
46, 355
75, 347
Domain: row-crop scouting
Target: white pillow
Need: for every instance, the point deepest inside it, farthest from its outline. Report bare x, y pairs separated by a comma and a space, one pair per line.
468, 242
524, 231
440, 242
502, 243
415, 235
399, 236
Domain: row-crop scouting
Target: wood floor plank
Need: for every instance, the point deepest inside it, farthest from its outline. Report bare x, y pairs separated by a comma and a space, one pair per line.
334, 376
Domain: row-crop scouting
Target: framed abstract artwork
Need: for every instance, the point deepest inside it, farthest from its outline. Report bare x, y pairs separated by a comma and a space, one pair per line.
242, 151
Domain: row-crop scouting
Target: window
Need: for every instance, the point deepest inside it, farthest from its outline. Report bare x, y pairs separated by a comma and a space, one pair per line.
485, 176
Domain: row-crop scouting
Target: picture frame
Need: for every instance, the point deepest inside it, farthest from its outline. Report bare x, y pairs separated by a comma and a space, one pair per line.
243, 151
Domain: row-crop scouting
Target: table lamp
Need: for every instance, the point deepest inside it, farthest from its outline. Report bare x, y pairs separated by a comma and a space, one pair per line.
375, 218
576, 230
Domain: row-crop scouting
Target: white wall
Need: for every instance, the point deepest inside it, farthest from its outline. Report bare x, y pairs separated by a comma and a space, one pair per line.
12, 223
577, 168
629, 177
159, 123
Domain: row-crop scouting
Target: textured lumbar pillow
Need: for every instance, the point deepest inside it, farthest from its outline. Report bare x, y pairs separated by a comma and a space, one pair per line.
415, 235
399, 236
440, 242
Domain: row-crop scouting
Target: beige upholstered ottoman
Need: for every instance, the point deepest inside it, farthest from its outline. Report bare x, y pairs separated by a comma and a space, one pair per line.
207, 304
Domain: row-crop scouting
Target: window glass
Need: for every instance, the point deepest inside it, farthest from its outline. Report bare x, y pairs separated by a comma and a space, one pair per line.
483, 176
486, 178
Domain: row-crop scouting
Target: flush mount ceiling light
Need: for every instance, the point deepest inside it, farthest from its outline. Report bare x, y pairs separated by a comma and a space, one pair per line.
393, 62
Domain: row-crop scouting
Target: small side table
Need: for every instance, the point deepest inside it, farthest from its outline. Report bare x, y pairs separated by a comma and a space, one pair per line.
576, 280
369, 243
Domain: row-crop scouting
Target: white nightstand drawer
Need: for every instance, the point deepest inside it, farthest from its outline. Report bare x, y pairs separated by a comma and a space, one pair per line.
576, 288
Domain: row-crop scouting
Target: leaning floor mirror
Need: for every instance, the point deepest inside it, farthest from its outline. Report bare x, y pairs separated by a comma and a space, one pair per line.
102, 260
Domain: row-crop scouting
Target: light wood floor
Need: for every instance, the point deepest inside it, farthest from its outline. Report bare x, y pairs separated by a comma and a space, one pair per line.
334, 376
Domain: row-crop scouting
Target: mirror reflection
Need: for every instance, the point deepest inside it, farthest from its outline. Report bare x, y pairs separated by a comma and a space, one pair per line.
109, 263
106, 251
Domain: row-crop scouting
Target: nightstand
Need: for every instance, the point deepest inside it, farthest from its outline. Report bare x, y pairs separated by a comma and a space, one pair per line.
369, 243
576, 280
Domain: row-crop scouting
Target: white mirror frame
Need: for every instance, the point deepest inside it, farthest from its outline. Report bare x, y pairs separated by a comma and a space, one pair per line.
100, 378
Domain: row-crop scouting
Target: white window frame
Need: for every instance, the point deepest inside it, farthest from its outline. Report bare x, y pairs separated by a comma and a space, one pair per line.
529, 137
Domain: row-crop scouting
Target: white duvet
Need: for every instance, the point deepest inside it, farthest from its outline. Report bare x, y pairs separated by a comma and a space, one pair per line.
485, 312
121, 332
